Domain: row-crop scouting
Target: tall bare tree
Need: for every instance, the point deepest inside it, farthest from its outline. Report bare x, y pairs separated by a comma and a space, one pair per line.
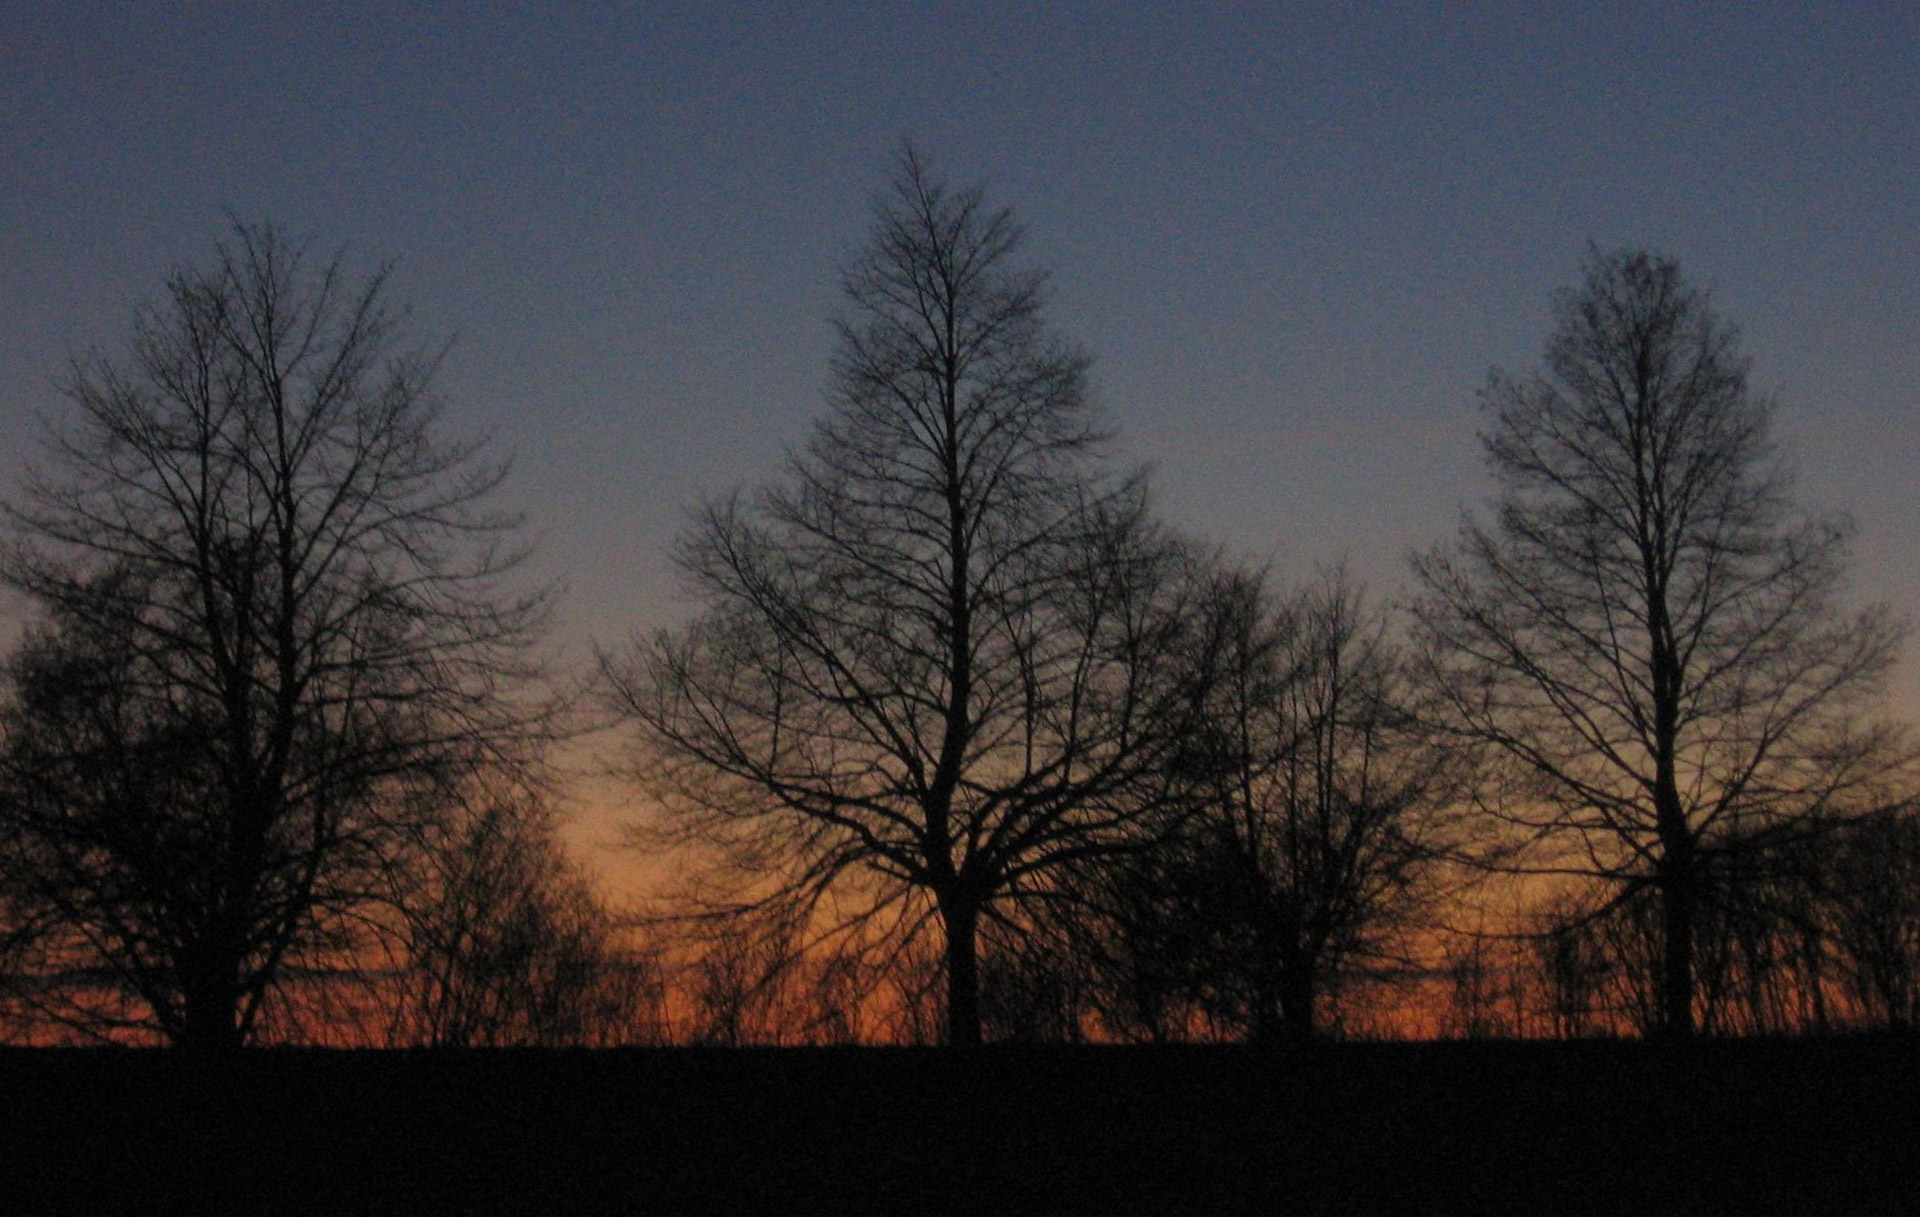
1649, 631
947, 652
277, 639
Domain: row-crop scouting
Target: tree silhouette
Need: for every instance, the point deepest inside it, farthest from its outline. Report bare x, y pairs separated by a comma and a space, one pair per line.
506, 942
1318, 822
1648, 632
1323, 825
1804, 932
947, 653
276, 640
1869, 883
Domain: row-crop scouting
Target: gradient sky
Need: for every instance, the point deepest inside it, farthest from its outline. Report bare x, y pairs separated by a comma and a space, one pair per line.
1293, 241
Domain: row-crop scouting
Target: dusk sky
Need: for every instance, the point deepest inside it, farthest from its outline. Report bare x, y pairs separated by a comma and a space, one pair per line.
1293, 243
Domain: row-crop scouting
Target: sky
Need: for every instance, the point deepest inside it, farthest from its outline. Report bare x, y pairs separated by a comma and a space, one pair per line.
1293, 239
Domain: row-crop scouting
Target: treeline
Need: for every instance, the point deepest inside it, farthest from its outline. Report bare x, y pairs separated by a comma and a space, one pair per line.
966, 742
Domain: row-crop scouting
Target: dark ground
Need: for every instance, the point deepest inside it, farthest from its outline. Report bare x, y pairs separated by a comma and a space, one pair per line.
1816, 1126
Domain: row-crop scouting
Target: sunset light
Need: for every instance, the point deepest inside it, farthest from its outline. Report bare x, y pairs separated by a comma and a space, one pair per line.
1070, 608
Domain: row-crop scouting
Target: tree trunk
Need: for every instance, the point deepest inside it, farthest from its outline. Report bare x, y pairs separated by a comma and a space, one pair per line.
1283, 1001
210, 1024
1679, 896
961, 914
1297, 1005
1677, 872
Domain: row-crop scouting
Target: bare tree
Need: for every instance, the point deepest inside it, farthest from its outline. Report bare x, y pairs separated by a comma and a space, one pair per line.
946, 653
1801, 933
277, 639
505, 941
1649, 630
1319, 823
1870, 884
1572, 972
1329, 818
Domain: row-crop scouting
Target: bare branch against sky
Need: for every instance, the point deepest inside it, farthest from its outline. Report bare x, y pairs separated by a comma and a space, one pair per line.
1295, 241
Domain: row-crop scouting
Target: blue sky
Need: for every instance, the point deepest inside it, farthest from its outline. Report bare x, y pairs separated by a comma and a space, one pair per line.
1293, 240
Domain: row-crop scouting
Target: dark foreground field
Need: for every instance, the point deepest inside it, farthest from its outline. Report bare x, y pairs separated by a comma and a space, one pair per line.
1815, 1127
